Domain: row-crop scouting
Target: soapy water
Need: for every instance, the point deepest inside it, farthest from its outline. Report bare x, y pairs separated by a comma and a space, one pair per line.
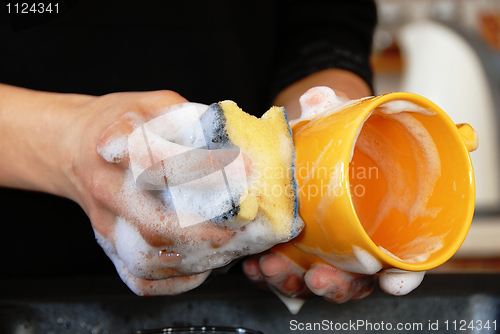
419, 249
399, 282
373, 143
181, 195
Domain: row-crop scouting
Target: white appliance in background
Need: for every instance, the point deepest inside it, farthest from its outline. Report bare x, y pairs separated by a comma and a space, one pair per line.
443, 67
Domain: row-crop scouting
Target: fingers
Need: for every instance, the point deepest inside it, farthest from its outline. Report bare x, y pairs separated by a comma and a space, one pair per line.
112, 145
280, 274
163, 287
252, 271
283, 275
156, 236
399, 282
338, 286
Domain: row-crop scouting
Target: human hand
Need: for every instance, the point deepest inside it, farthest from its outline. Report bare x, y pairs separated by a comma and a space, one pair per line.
131, 224
276, 271
49, 143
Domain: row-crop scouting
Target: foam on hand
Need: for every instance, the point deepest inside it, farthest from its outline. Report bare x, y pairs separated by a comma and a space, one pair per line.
115, 150
202, 190
319, 100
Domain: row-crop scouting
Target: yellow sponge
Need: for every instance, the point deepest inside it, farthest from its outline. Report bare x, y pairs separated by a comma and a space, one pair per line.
267, 145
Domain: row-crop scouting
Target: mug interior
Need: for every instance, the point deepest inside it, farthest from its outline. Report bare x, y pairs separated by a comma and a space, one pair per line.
412, 185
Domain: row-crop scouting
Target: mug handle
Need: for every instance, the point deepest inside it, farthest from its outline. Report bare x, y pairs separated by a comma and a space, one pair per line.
469, 136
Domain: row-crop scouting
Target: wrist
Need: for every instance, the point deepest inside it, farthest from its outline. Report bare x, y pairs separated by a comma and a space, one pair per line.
36, 137
69, 138
341, 81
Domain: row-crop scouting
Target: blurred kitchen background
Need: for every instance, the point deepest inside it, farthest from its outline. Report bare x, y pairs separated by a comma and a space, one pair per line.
449, 52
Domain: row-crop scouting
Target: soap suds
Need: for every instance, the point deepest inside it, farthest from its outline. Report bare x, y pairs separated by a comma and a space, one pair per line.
397, 106
373, 143
313, 107
358, 261
369, 264
419, 249
428, 164
399, 282
115, 149
318, 100
167, 286
378, 147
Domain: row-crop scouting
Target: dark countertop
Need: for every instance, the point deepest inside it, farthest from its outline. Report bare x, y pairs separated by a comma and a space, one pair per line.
104, 304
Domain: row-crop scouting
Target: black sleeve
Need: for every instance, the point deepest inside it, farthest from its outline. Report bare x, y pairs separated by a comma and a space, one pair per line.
315, 35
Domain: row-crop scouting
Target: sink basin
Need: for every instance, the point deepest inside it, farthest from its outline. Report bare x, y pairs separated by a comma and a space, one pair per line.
103, 304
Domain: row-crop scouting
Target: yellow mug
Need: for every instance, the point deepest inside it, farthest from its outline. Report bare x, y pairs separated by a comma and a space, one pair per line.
384, 182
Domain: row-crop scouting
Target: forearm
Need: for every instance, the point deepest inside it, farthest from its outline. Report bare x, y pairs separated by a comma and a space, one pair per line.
36, 131
340, 81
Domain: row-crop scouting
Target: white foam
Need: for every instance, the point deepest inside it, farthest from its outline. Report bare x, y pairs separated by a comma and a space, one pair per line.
369, 264
197, 250
317, 100
396, 106
333, 190
419, 249
399, 282
167, 286
380, 149
132, 118
358, 261
115, 150
374, 144
428, 164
